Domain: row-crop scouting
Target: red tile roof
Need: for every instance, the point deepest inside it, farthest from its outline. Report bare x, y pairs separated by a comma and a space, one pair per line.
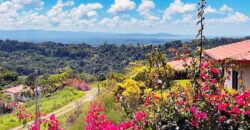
14, 90
179, 64
239, 51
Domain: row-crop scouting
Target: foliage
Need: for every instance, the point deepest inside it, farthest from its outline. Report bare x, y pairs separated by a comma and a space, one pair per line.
7, 76
6, 106
51, 124
56, 100
54, 82
47, 105
48, 57
86, 77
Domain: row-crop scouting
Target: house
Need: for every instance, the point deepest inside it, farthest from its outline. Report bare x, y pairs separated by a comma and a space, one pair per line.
240, 53
177, 64
79, 84
15, 93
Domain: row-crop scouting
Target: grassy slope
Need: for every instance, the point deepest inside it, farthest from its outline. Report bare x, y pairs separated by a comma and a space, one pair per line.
47, 104
113, 111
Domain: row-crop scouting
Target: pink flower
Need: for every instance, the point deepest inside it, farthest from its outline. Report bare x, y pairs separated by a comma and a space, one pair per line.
222, 107
139, 116
213, 81
247, 112
35, 126
236, 110
194, 123
221, 119
52, 117
147, 101
240, 101
214, 71
204, 88
203, 115
193, 110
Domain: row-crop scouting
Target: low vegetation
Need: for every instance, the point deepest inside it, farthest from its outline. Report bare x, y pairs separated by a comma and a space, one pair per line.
47, 104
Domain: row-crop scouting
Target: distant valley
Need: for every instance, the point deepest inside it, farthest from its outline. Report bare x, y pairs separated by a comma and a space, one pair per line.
92, 38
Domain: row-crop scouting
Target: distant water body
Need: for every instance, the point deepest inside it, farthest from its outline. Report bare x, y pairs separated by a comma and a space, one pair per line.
91, 38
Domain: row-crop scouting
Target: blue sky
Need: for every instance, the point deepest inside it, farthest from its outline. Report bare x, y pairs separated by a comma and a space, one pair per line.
223, 17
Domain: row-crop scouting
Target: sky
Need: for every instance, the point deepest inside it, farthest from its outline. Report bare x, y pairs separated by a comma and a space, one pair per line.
223, 17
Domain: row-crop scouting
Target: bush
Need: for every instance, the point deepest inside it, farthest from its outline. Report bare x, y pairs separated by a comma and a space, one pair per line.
181, 74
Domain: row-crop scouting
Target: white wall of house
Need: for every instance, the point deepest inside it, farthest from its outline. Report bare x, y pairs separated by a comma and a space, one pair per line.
229, 80
246, 77
16, 96
13, 97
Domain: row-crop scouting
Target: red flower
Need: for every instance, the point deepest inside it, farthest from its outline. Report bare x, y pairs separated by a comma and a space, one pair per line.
147, 101
240, 101
236, 110
203, 115
222, 107
139, 116
193, 110
221, 119
35, 126
194, 123
214, 71
247, 112
213, 81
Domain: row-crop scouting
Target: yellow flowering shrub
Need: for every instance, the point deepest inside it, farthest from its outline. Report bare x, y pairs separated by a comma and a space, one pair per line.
131, 88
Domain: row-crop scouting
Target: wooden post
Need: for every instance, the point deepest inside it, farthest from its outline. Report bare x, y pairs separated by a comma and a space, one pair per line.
98, 89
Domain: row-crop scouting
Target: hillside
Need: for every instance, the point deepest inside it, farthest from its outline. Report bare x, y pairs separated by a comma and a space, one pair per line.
50, 57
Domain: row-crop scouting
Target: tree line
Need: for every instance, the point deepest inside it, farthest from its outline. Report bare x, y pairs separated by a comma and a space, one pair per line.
51, 57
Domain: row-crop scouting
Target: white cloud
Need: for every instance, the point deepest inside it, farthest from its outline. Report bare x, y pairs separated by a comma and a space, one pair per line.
186, 19
76, 16
235, 18
145, 9
210, 10
87, 10
225, 8
178, 7
121, 6
226, 15
6, 7
26, 2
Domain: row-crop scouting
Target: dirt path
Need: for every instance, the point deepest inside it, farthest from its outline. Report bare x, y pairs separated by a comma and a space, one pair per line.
90, 95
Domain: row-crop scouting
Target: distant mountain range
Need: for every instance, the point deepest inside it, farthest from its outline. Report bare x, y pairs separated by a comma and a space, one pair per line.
86, 37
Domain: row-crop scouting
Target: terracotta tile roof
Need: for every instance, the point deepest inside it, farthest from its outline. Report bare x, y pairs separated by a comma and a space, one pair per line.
239, 51
14, 90
179, 64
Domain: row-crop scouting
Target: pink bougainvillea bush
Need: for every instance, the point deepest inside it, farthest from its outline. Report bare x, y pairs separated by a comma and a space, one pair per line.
50, 122
96, 120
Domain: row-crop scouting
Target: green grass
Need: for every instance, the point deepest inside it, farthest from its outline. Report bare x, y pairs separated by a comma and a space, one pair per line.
182, 82
55, 101
47, 104
79, 123
114, 112
174, 85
